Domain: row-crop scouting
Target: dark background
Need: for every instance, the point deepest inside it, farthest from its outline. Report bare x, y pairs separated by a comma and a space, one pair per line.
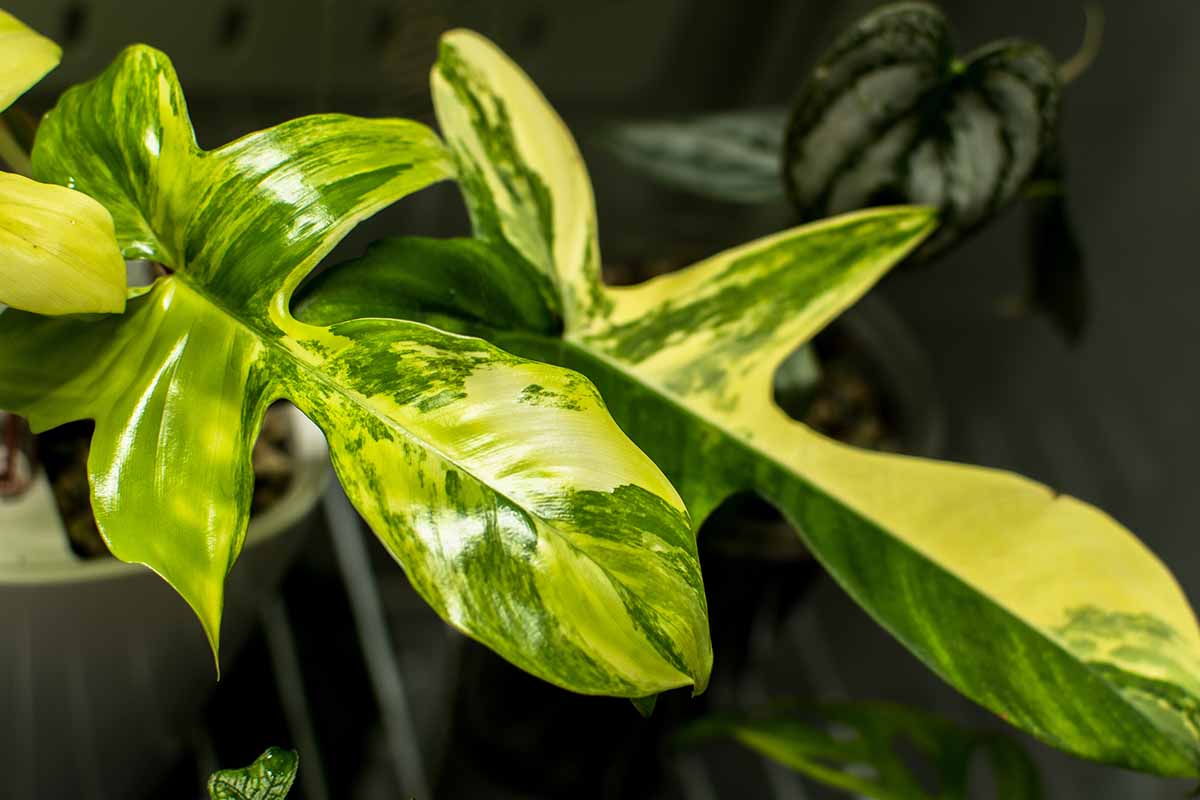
1111, 420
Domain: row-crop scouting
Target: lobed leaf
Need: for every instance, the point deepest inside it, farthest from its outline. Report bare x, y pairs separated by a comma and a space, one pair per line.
1036, 605
514, 503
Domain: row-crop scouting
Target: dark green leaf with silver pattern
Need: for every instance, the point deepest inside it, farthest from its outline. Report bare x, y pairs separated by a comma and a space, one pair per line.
891, 115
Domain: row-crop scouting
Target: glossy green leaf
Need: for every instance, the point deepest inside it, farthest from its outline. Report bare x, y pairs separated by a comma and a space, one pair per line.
518, 509
734, 156
1034, 604
890, 115
59, 254
859, 748
270, 777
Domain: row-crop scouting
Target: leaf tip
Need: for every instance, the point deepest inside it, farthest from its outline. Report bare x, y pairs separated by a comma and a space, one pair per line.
645, 705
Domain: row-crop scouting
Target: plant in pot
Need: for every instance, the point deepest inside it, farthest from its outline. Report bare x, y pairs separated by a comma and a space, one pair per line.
516, 504
1033, 604
890, 114
517, 507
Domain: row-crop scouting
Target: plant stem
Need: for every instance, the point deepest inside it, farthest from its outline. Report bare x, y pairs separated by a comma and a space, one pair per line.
1093, 35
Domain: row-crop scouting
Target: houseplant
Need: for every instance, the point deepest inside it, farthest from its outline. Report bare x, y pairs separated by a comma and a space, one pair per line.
448, 446
964, 565
90, 633
518, 508
890, 114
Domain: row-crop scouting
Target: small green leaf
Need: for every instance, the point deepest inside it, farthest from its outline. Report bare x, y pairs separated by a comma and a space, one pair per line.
270, 777
645, 705
517, 507
735, 156
856, 747
890, 115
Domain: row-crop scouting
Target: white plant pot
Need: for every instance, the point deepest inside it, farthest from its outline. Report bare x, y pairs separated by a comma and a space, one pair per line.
104, 670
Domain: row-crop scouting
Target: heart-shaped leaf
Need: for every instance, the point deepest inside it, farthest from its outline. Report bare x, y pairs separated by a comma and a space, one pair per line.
1034, 604
270, 777
857, 747
519, 510
59, 251
890, 115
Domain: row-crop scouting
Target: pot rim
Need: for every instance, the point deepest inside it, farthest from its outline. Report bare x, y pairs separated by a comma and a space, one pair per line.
312, 474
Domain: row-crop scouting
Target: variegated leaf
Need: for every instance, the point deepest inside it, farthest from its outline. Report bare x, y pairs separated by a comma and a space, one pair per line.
856, 747
1034, 604
270, 777
517, 507
890, 115
58, 254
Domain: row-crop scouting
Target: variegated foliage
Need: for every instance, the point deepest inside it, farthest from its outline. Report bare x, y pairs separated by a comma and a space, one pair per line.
58, 251
270, 777
515, 504
1034, 604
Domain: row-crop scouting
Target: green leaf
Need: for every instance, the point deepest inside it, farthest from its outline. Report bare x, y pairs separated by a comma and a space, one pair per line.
1036, 605
517, 507
889, 115
733, 156
856, 747
59, 251
270, 777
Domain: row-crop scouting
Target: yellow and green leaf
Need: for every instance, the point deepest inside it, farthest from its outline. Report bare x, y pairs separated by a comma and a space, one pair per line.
516, 505
857, 747
58, 254
1036, 605
25, 58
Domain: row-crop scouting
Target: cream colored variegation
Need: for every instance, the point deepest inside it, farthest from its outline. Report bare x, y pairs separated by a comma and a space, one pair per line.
516, 506
536, 164
58, 251
1036, 605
